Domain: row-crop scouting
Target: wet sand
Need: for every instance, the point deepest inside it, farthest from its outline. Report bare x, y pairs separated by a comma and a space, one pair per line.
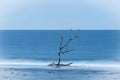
53, 73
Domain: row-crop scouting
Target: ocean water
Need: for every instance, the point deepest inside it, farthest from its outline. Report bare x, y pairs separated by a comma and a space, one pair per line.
24, 52
43, 45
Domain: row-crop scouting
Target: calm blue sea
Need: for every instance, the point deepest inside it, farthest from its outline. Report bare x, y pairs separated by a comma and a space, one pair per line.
42, 45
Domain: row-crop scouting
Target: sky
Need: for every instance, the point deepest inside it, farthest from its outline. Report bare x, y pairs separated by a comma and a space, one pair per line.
59, 14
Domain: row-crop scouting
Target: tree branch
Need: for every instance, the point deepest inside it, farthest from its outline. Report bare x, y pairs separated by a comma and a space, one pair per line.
67, 51
61, 42
66, 43
70, 39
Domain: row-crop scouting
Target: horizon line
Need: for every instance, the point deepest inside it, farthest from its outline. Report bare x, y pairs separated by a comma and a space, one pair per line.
57, 29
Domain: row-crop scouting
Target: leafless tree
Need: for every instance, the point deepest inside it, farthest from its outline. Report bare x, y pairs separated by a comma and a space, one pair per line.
63, 47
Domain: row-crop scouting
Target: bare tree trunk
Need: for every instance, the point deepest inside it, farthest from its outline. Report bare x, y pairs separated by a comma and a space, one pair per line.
58, 58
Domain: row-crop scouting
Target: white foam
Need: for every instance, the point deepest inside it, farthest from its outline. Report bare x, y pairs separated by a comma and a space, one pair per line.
98, 64
76, 64
23, 63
